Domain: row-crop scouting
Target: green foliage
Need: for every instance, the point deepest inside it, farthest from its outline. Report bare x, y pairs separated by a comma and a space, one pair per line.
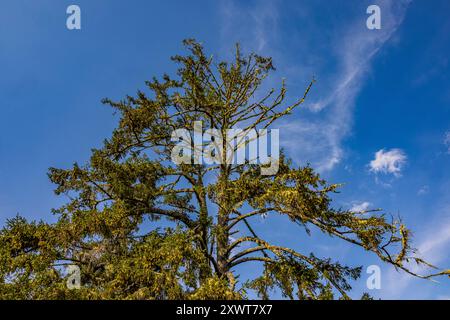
130, 187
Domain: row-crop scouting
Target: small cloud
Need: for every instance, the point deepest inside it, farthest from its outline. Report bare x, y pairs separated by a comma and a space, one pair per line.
360, 207
391, 161
423, 190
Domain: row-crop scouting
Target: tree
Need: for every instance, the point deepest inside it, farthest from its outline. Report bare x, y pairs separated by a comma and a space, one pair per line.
140, 226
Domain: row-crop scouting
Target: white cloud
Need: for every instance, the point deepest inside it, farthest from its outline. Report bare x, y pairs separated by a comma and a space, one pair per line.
340, 57
391, 161
340, 65
360, 207
355, 51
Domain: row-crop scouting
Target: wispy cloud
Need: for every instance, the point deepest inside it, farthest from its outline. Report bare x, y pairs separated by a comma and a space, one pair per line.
433, 242
388, 162
360, 206
254, 25
423, 190
355, 51
341, 63
447, 141
438, 238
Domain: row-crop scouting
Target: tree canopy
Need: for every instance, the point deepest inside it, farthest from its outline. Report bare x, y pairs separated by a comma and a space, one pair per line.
140, 226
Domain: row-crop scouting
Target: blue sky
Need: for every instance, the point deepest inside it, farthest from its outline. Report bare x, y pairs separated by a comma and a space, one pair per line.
378, 118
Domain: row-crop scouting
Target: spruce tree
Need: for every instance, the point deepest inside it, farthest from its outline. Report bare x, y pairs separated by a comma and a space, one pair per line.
140, 226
